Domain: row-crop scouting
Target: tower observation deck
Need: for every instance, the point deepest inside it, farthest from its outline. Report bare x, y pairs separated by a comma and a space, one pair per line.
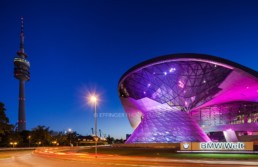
22, 73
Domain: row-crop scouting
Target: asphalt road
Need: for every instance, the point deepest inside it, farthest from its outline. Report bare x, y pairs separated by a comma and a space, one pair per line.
30, 159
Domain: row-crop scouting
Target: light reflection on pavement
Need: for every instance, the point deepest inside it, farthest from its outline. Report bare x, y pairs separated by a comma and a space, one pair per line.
67, 157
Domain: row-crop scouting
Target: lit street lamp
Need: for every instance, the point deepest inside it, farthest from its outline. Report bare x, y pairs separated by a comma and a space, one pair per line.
13, 144
38, 143
55, 143
70, 136
94, 99
29, 137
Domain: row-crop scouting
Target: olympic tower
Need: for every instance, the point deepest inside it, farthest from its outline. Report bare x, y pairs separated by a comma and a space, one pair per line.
22, 73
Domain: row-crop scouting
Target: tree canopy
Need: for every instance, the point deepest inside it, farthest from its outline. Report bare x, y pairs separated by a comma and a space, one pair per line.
5, 127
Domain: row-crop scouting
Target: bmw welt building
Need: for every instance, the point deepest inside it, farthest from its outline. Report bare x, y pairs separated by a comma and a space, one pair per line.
190, 98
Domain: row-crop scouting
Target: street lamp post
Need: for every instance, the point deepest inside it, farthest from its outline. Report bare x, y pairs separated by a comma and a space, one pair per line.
38, 143
13, 144
94, 99
96, 131
70, 136
29, 139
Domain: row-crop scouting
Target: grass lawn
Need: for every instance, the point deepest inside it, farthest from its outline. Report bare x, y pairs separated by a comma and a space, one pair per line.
167, 153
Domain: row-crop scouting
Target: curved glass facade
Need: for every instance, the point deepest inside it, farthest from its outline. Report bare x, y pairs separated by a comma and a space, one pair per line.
184, 97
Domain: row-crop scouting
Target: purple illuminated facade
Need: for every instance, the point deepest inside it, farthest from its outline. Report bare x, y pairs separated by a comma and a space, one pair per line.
190, 97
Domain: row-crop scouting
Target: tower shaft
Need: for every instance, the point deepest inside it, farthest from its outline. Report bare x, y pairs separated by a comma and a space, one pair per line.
22, 112
22, 73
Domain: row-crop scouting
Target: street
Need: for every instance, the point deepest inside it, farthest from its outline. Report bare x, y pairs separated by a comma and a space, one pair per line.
30, 159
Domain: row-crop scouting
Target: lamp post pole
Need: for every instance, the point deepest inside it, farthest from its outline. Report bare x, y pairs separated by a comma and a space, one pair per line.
29, 140
95, 122
93, 100
70, 136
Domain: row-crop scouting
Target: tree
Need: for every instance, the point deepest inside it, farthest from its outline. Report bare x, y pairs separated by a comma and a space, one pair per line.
25, 136
61, 138
110, 140
15, 137
72, 137
65, 138
41, 136
5, 127
119, 141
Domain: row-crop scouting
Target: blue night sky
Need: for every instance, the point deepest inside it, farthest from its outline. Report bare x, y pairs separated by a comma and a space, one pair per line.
82, 45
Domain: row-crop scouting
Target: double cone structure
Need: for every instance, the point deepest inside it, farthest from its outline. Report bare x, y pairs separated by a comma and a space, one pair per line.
190, 97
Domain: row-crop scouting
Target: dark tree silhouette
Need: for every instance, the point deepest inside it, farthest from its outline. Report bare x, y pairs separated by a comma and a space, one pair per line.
41, 136
5, 127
